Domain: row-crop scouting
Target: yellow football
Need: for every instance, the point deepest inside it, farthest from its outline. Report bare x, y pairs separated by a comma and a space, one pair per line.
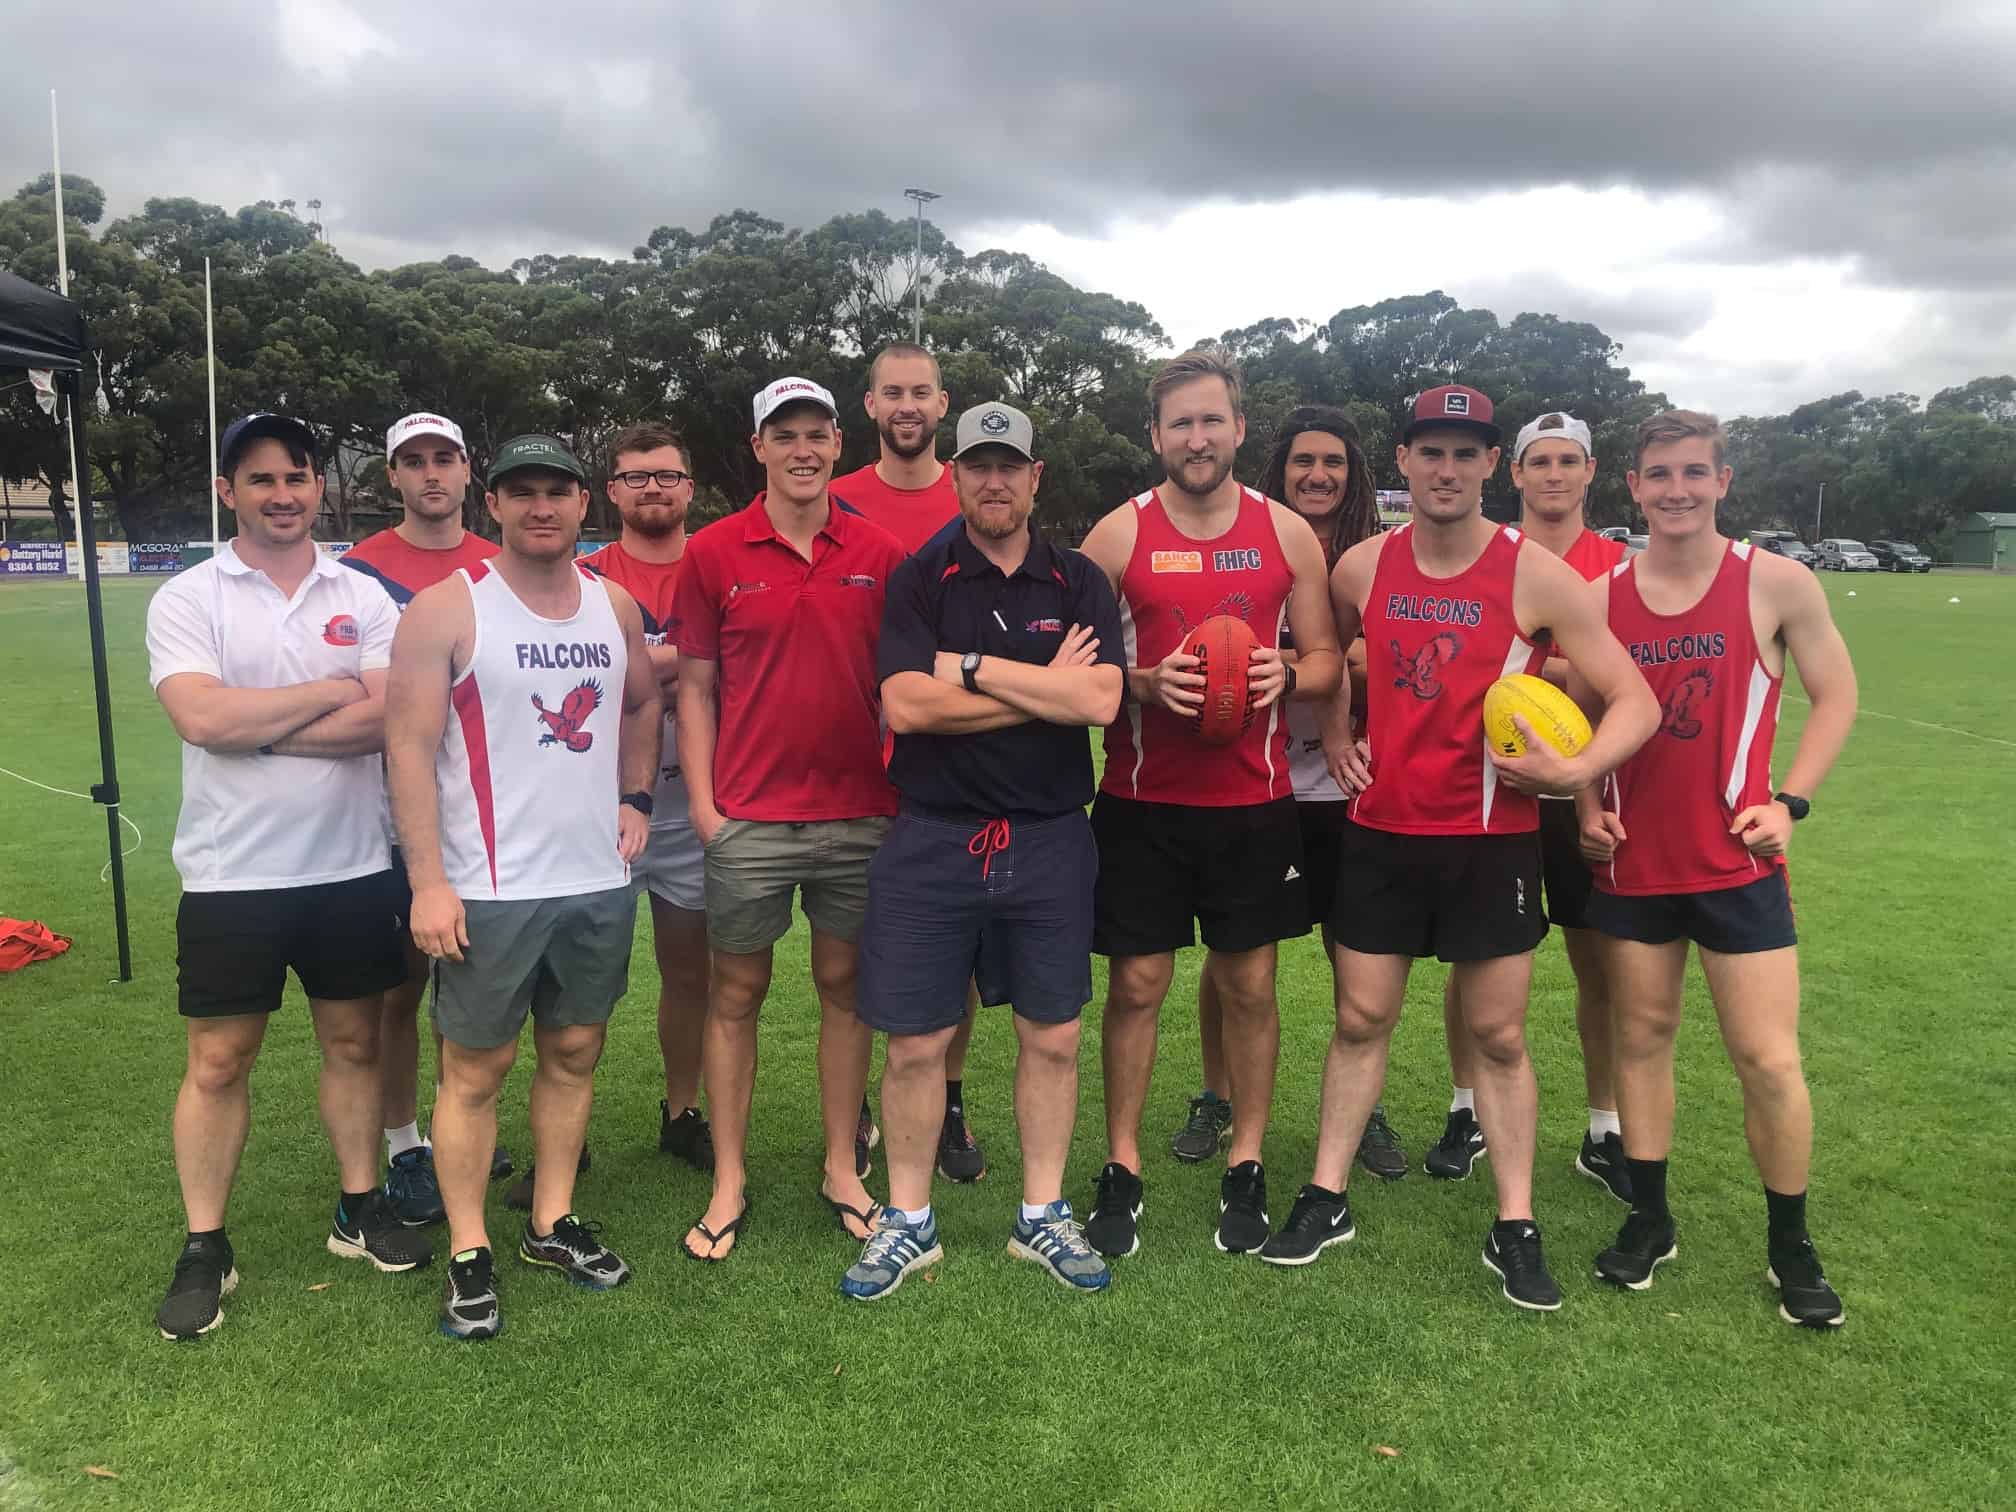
1552, 714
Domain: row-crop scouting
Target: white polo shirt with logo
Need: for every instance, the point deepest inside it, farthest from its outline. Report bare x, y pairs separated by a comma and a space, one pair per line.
249, 820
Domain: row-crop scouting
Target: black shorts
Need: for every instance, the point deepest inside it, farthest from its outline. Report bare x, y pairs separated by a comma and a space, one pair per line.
342, 939
1731, 920
1455, 897
946, 906
1324, 826
1236, 871
417, 965
1567, 876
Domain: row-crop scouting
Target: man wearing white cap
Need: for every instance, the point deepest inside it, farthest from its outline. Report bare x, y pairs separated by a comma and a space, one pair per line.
776, 618
427, 466
1553, 463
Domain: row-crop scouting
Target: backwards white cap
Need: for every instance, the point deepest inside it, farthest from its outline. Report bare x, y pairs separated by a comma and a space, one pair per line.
1553, 423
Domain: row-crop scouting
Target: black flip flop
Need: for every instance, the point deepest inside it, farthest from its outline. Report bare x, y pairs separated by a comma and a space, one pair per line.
842, 1212
727, 1230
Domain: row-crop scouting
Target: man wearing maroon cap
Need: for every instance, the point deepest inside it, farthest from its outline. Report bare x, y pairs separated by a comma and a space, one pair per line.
1443, 857
776, 619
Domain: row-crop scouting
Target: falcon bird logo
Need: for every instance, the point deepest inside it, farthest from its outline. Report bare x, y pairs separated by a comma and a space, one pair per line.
563, 725
1420, 674
1676, 716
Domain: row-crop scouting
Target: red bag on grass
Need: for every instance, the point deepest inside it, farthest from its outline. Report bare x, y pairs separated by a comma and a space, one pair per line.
24, 942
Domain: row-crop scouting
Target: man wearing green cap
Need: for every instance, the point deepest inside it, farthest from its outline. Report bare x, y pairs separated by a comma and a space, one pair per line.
522, 735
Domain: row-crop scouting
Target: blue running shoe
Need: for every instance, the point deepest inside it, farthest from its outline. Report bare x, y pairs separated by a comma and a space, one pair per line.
1056, 1243
412, 1190
893, 1251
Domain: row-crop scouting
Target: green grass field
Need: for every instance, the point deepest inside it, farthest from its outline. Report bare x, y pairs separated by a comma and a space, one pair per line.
1198, 1380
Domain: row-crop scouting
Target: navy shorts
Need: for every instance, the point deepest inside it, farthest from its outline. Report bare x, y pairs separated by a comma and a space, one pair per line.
1008, 906
1730, 921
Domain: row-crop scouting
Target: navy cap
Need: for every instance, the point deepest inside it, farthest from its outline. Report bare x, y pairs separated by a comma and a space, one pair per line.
258, 425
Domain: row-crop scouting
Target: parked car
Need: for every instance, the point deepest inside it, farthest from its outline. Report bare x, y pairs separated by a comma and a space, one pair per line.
1633, 544
1614, 532
1899, 556
1790, 547
1844, 555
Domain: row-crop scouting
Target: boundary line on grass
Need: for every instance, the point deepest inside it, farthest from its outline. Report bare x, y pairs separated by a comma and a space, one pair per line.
1923, 724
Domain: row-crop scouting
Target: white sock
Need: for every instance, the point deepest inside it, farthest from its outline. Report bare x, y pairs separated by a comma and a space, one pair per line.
1032, 1211
1465, 1100
912, 1220
1604, 1121
406, 1137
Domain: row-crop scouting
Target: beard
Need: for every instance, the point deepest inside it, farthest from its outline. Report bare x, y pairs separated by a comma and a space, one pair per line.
994, 525
927, 437
655, 521
1182, 478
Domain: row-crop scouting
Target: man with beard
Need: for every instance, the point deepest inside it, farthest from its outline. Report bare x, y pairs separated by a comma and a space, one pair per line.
651, 485
427, 466
997, 650
1189, 831
1552, 467
270, 662
522, 736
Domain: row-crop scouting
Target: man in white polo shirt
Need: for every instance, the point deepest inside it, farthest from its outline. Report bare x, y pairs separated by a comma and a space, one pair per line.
270, 661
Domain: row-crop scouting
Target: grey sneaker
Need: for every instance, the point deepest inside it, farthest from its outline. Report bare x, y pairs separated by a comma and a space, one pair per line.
1056, 1243
1205, 1132
1380, 1150
892, 1252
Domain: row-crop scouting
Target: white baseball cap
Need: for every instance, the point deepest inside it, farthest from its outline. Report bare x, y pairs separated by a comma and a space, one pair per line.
792, 391
1555, 423
422, 425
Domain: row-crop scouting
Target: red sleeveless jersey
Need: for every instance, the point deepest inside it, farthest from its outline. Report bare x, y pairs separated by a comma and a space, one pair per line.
1711, 756
1432, 648
1172, 584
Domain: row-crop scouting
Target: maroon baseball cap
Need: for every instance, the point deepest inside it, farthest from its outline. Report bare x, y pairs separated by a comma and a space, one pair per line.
1453, 404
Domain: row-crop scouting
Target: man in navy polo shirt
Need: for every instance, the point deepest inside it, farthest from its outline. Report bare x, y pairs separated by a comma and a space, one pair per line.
997, 650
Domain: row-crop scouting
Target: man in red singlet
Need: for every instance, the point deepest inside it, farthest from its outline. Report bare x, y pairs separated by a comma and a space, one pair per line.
909, 493
1445, 859
1689, 843
1552, 466
651, 485
1189, 831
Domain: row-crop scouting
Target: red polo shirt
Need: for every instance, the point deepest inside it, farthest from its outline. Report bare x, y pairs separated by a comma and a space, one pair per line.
793, 643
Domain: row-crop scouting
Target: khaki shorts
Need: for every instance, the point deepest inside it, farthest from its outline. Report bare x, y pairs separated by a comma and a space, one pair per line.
753, 865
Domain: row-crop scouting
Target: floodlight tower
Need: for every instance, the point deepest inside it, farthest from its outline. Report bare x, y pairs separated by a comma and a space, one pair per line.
923, 197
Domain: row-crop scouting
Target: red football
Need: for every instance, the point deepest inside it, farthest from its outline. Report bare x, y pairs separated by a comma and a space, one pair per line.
1223, 646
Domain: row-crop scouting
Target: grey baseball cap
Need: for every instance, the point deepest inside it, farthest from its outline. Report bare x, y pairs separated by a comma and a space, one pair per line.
995, 424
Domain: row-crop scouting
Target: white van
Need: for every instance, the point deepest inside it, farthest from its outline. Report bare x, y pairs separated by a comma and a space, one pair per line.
1844, 555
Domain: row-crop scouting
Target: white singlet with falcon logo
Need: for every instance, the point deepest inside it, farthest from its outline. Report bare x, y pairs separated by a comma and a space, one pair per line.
527, 768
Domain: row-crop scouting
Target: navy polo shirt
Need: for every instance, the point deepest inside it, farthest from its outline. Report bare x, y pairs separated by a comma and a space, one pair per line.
949, 597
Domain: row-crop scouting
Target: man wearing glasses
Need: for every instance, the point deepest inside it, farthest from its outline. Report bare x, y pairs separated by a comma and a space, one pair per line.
651, 485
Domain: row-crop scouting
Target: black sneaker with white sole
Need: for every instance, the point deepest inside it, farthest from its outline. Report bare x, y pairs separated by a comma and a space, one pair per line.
1602, 1161
1318, 1220
1804, 1297
367, 1228
1643, 1244
1242, 1209
205, 1274
1113, 1225
1513, 1251
1379, 1149
960, 1157
469, 1296
574, 1250
1204, 1132
1460, 1147
686, 1136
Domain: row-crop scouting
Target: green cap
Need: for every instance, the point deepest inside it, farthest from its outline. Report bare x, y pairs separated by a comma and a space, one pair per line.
549, 452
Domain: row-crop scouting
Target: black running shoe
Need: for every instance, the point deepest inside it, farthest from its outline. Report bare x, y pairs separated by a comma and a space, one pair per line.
205, 1273
960, 1157
412, 1190
519, 1198
372, 1231
1112, 1227
686, 1136
1804, 1297
1602, 1161
1318, 1220
469, 1296
500, 1163
1379, 1150
574, 1251
1514, 1253
1460, 1147
1203, 1134
866, 1137
1643, 1245
1242, 1209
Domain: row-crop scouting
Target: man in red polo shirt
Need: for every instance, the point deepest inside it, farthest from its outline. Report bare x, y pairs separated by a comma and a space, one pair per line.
776, 619
908, 492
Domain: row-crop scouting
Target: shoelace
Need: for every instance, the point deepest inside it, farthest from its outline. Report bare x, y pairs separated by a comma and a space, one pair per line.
1378, 1131
1306, 1214
989, 841
884, 1244
1066, 1235
578, 1236
1521, 1252
1638, 1228
1248, 1190
191, 1263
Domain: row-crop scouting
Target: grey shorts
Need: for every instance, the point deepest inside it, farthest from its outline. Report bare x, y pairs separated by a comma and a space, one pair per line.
563, 960
753, 866
670, 867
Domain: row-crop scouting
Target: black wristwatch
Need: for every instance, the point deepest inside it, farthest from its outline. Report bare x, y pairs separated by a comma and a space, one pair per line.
1798, 808
640, 801
1288, 688
969, 668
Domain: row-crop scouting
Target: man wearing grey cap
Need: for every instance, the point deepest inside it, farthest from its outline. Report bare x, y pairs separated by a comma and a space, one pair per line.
998, 649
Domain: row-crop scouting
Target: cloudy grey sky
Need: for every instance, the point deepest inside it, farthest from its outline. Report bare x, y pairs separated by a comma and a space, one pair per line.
1764, 201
